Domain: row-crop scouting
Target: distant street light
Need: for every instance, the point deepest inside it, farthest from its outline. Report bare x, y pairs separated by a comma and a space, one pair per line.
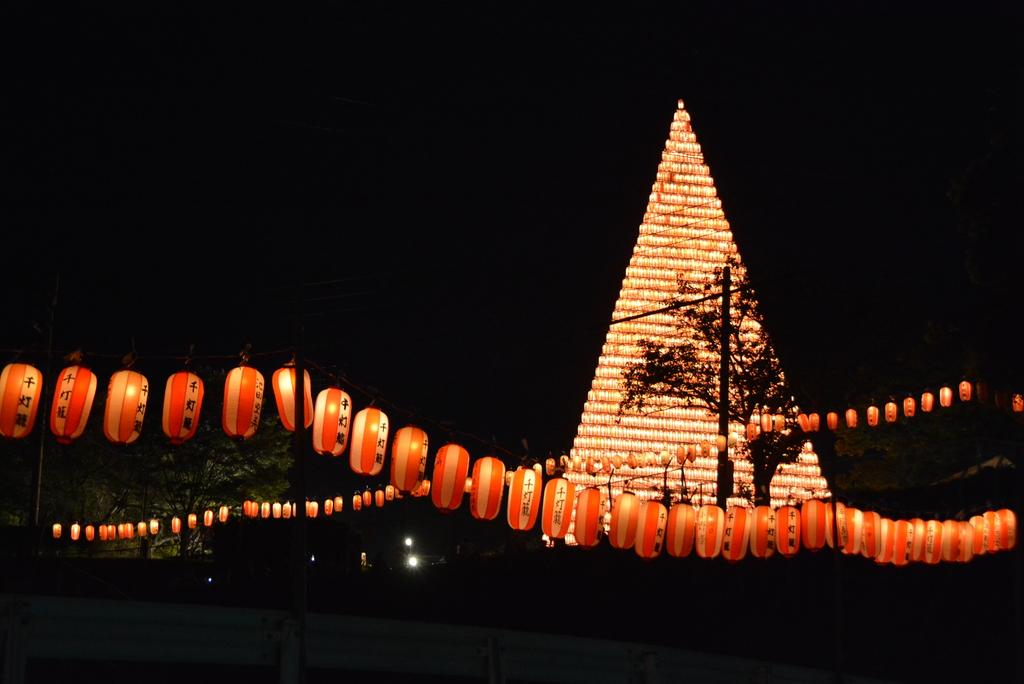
412, 561
408, 542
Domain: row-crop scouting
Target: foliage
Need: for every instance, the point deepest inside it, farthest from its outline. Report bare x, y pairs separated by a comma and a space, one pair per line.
687, 372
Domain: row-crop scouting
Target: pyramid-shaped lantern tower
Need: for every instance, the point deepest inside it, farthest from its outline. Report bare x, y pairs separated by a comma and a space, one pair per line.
684, 237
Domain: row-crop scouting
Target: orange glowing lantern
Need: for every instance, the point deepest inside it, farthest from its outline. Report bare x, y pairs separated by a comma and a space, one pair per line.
275, 510
965, 390
142, 528
222, 514
871, 533
378, 498
950, 541
175, 525
243, 402
780, 422
587, 524
102, 532
903, 542
909, 407
331, 419
766, 422
208, 518
762, 532
832, 420
1017, 403
20, 390
183, 400
312, 509
625, 514
945, 397
854, 530
851, 418
72, 402
927, 402
487, 489
993, 524
286, 510
650, 530
556, 510
787, 531
409, 458
339, 504
367, 498
932, 542
127, 397
389, 492
804, 422
90, 533
967, 534
56, 530
736, 535
328, 506
891, 412
752, 432
814, 422
284, 381
680, 530
357, 502
1007, 539
129, 531
709, 530
523, 499
549, 466
920, 533
154, 527
265, 509
886, 541
814, 525
451, 465
369, 442
76, 531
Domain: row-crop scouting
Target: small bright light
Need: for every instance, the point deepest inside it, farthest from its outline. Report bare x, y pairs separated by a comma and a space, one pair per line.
408, 541
312, 558
412, 561
209, 580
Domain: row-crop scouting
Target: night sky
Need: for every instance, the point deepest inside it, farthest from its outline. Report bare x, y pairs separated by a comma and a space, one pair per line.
471, 182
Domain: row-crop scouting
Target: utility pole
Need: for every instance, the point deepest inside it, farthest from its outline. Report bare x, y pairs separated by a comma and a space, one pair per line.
724, 484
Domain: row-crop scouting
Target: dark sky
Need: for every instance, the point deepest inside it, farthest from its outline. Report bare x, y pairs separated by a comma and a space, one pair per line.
473, 181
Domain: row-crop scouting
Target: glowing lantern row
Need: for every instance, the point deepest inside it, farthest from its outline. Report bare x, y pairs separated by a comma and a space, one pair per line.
487, 488
20, 388
587, 524
72, 402
127, 397
556, 512
243, 402
183, 400
523, 499
451, 464
369, 439
409, 458
284, 380
331, 419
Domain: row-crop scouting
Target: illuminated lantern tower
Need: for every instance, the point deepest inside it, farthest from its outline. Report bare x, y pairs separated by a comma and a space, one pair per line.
684, 237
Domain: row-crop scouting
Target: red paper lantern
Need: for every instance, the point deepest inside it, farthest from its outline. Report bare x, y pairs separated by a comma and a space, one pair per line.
1007, 538
90, 533
851, 418
920, 532
680, 530
127, 397
587, 521
832, 420
950, 541
736, 535
76, 531
1017, 403
222, 514
154, 526
20, 390
369, 442
993, 524
367, 498
357, 502
183, 399
451, 464
814, 422
284, 381
762, 532
927, 402
379, 498
243, 402
967, 544
207, 518
787, 531
766, 422
556, 510
523, 499
652, 520
710, 528
624, 518
332, 417
872, 414
804, 422
814, 525
56, 530
175, 525
909, 407
965, 390
891, 412
871, 534
945, 397
903, 542
409, 458
933, 542
886, 541
72, 403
